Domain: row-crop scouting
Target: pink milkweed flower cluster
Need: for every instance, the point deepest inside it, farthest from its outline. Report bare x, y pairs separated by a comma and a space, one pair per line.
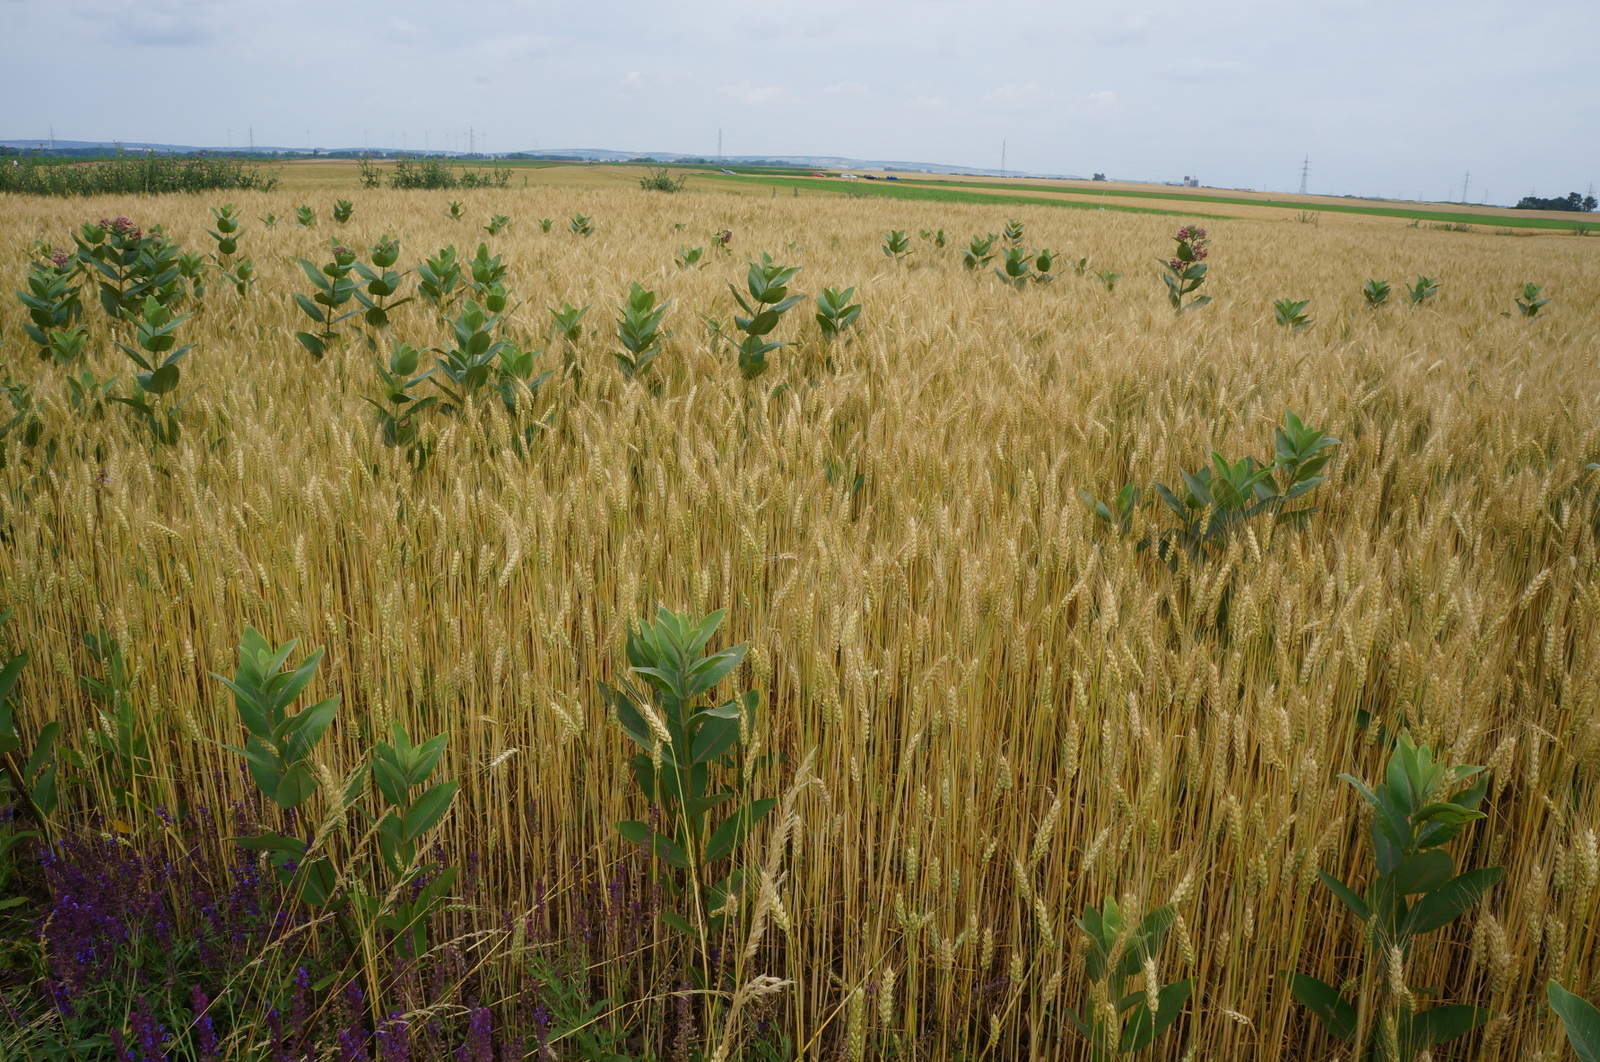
1195, 238
60, 257
122, 226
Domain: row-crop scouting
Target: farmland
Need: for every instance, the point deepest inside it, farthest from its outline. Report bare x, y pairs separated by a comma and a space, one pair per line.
971, 708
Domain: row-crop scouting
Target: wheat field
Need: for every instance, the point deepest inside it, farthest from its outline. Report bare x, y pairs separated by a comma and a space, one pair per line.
990, 712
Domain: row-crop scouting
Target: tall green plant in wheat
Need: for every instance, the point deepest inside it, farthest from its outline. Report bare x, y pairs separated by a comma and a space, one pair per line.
639, 331
1416, 811
277, 751
1119, 1021
54, 308
1186, 269
155, 351
688, 769
1216, 501
765, 301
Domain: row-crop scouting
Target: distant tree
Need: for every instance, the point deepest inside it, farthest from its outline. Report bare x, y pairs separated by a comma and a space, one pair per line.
1572, 201
1099, 176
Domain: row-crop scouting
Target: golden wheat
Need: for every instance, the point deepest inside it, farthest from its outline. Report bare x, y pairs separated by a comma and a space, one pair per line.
1010, 712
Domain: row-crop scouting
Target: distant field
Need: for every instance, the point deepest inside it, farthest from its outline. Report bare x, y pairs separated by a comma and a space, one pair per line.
331, 174
1533, 219
931, 192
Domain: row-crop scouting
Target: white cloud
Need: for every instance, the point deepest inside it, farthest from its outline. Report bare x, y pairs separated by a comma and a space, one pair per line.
1018, 97
152, 22
1202, 69
516, 46
1124, 31
755, 95
633, 84
851, 89
407, 32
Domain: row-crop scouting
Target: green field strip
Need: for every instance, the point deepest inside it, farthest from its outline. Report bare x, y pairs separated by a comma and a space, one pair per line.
1341, 208
899, 190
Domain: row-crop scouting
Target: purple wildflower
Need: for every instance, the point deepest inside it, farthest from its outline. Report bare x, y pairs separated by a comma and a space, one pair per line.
353, 1037
478, 1046
147, 1030
101, 895
205, 1030
300, 1004
683, 1023
394, 1042
280, 1041
352, 1044
541, 1032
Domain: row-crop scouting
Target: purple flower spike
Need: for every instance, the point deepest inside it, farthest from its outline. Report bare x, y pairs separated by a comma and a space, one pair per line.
394, 1042
353, 1038
479, 1046
541, 1032
205, 1031
148, 1031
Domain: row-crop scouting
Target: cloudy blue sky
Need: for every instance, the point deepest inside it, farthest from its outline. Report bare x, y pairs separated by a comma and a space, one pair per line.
1398, 98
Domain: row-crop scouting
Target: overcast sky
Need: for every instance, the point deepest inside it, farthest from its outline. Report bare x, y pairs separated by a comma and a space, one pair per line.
1397, 98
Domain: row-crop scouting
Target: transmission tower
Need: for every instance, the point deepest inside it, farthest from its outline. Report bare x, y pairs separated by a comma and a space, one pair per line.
1305, 172
1466, 182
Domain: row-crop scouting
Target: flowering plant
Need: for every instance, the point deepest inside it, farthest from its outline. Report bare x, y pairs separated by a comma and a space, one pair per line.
1186, 269
128, 264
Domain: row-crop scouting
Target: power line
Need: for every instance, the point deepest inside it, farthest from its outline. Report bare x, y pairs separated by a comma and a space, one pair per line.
1305, 172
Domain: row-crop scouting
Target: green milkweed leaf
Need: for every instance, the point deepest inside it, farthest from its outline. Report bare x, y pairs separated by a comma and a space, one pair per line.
1580, 1018
1141, 1030
1326, 1003
1452, 899
1438, 1024
428, 809
295, 786
1424, 872
732, 832
1346, 894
